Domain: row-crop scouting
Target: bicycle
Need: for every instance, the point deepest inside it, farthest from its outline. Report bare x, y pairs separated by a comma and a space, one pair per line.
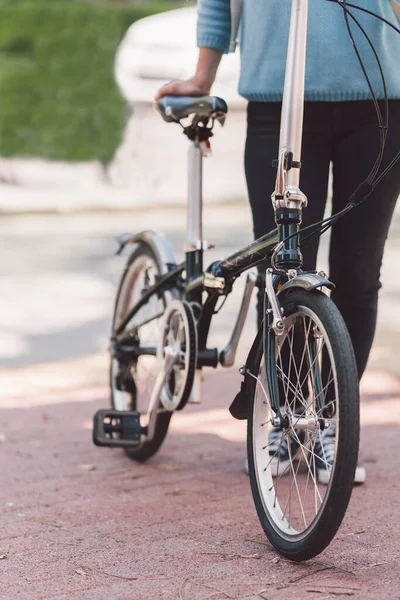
300, 376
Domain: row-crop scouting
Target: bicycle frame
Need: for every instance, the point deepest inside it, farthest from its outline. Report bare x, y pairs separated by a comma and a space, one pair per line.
187, 298
288, 202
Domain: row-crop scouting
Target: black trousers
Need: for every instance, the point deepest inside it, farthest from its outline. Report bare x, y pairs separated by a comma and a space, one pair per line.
346, 134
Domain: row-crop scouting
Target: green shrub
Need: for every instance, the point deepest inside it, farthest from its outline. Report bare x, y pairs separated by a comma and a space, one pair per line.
58, 98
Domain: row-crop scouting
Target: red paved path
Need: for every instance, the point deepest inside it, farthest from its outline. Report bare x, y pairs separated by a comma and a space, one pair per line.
83, 523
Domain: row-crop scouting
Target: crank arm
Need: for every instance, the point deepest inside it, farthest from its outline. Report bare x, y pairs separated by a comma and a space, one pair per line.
171, 357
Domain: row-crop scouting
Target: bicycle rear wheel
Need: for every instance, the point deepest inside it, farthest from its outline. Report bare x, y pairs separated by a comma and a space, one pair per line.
132, 380
318, 397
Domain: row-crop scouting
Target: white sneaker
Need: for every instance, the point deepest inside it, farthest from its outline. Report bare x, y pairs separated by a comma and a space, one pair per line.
325, 453
278, 451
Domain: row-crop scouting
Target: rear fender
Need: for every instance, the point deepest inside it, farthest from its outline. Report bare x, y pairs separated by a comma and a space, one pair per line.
158, 243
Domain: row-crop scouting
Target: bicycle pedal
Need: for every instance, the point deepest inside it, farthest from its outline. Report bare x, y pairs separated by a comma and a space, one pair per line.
120, 429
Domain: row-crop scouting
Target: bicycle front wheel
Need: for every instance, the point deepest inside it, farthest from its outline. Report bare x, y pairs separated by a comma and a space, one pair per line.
302, 468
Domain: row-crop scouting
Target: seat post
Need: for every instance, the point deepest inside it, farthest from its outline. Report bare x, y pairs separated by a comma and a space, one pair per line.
194, 238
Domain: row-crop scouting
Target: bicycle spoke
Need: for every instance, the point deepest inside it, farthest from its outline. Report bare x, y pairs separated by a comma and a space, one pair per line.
311, 364
306, 485
279, 462
292, 360
326, 389
291, 355
296, 485
294, 389
316, 491
303, 449
312, 471
293, 382
275, 453
303, 355
290, 490
323, 460
284, 472
328, 466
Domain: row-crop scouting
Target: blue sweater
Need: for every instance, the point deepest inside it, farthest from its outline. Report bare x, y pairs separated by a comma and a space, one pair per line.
332, 73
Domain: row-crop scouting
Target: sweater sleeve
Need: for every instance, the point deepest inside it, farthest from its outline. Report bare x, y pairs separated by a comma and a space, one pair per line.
214, 24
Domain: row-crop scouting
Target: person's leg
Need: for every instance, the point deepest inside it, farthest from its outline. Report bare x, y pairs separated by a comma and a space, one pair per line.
262, 148
358, 239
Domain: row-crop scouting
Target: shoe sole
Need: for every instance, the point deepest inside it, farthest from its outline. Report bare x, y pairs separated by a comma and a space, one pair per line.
323, 476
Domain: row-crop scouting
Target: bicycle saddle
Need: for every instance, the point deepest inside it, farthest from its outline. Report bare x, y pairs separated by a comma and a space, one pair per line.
174, 108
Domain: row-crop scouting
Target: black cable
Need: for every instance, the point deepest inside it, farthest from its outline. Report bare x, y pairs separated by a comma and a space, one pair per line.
216, 311
385, 126
397, 30
333, 220
367, 186
313, 236
334, 217
386, 171
370, 12
373, 172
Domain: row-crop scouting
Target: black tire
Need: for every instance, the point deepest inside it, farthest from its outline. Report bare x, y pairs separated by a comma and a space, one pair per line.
146, 449
319, 528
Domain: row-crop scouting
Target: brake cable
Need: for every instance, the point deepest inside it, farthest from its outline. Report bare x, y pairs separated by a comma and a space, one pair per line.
366, 187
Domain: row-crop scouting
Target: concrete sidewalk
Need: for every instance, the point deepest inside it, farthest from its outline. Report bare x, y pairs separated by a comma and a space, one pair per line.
85, 523
148, 169
76, 193
38, 186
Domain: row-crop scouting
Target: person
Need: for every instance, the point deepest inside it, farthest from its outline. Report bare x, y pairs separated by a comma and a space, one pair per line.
340, 127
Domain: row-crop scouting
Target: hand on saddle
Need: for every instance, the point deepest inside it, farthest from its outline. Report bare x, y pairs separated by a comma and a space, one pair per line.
189, 87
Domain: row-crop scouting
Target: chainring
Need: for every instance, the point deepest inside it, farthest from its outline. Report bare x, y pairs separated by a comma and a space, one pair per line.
178, 331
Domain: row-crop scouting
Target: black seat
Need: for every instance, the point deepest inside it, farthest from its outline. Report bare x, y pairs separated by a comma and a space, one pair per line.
175, 108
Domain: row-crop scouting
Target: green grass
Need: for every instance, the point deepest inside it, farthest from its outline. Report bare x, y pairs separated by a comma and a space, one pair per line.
58, 98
